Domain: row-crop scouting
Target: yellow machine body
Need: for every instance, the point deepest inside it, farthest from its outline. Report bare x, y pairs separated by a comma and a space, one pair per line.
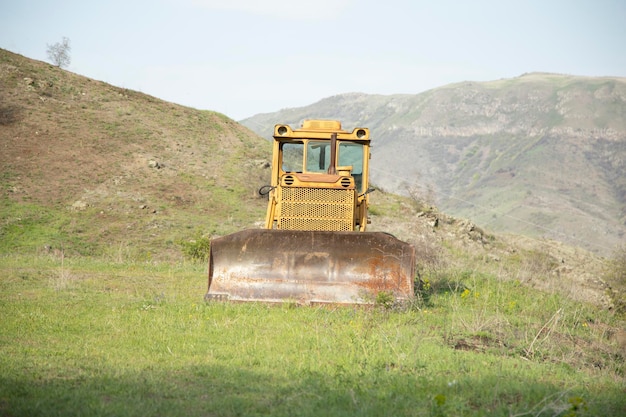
314, 248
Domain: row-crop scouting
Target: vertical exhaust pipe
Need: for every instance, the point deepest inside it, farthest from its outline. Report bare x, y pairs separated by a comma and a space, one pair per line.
332, 168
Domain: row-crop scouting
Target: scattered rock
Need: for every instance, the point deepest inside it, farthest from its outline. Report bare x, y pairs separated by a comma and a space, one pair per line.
155, 164
79, 205
258, 163
492, 258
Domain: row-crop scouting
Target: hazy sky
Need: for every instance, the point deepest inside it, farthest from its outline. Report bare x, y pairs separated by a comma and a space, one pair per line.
244, 57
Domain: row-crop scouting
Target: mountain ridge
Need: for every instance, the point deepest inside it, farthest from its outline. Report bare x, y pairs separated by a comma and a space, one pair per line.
541, 154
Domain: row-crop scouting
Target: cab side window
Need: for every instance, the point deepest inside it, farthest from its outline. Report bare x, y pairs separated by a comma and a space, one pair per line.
292, 154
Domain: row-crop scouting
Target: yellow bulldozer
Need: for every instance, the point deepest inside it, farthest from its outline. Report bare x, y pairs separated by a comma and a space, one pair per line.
314, 247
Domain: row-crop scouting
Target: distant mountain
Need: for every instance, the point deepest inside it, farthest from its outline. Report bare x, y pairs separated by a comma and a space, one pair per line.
541, 154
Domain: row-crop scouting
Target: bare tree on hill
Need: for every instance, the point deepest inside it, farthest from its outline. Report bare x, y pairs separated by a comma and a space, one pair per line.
59, 53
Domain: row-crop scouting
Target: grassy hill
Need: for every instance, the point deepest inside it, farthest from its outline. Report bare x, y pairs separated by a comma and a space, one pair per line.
540, 155
95, 169
101, 190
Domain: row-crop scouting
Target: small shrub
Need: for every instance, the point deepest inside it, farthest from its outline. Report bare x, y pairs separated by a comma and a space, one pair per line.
429, 257
539, 263
196, 249
422, 197
423, 290
615, 277
385, 299
9, 115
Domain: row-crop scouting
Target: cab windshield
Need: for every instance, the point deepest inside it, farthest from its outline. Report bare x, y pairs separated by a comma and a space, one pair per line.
313, 156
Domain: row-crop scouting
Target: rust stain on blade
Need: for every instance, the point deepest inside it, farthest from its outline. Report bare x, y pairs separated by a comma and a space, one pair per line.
309, 266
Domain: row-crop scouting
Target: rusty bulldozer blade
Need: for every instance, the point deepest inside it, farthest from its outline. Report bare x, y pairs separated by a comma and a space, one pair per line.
310, 267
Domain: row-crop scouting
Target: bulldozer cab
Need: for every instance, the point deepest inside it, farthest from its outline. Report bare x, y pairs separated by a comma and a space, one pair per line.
319, 178
314, 247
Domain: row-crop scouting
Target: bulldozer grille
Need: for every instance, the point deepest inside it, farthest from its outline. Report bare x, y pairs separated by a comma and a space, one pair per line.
316, 209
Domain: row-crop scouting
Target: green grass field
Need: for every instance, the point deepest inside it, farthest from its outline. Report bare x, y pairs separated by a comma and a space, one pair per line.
81, 337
